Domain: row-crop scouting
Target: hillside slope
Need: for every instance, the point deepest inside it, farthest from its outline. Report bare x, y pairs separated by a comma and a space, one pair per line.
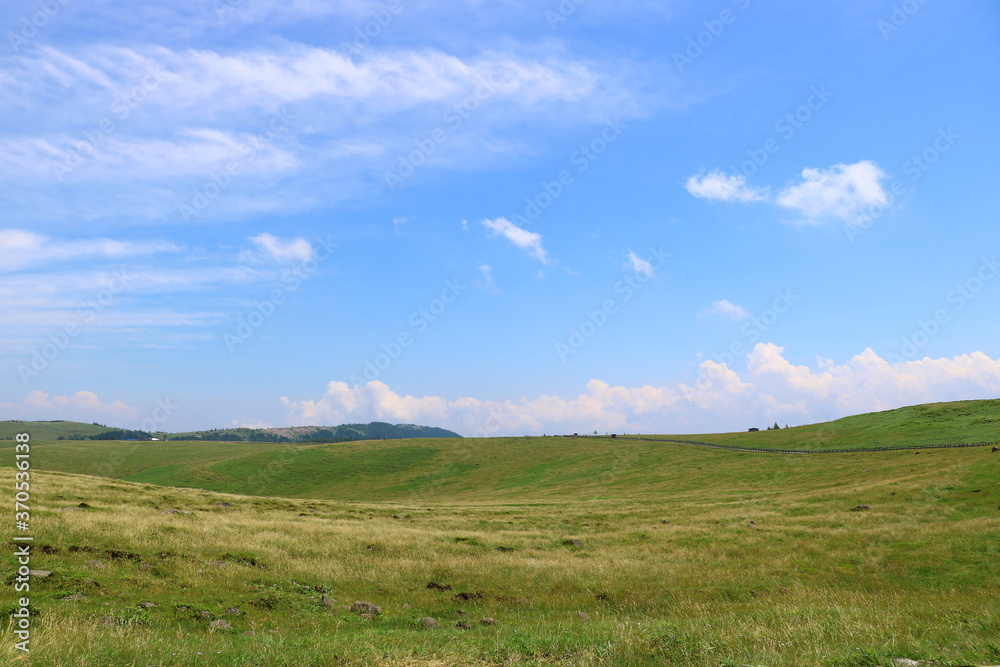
496, 469
932, 423
700, 558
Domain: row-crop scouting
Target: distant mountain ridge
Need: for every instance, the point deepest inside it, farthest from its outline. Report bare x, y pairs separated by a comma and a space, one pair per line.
68, 430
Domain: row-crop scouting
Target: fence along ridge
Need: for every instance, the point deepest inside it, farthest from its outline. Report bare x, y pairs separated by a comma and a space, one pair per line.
839, 450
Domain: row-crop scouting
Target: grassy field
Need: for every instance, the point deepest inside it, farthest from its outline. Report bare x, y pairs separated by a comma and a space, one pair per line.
934, 423
582, 551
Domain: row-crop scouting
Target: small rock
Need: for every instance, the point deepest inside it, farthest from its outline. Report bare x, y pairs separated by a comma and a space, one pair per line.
107, 620
249, 632
206, 614
996, 449
462, 625
147, 604
234, 611
664, 521
220, 625
576, 543
40, 574
583, 616
75, 596
360, 607
429, 623
505, 549
861, 508
487, 620
328, 601
223, 504
170, 512
217, 563
95, 564
84, 506
753, 523
69, 509
396, 516
906, 662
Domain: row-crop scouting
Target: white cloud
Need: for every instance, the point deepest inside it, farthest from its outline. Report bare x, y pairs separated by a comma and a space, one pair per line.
639, 265
21, 249
292, 250
719, 186
522, 238
849, 192
772, 390
726, 308
399, 222
82, 406
486, 283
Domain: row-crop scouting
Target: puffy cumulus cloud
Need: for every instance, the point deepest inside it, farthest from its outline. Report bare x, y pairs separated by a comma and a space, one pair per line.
844, 191
82, 406
726, 308
868, 382
773, 389
292, 250
20, 249
724, 187
522, 238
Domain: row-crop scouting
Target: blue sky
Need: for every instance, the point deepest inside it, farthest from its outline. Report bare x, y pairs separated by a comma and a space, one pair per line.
509, 217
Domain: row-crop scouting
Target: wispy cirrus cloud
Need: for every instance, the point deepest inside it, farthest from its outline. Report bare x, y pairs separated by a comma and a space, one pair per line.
20, 249
531, 242
639, 265
165, 120
726, 308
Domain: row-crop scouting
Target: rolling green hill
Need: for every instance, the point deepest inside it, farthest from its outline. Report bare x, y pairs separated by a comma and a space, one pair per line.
503, 468
49, 430
563, 552
933, 423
